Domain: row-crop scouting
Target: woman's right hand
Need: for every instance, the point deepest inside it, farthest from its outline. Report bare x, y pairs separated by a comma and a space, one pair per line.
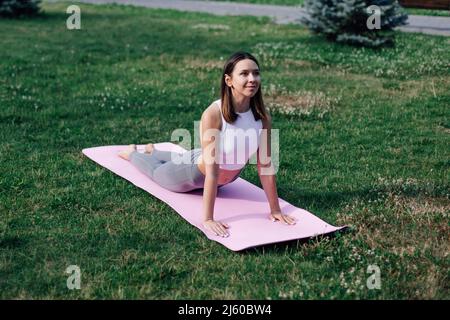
219, 228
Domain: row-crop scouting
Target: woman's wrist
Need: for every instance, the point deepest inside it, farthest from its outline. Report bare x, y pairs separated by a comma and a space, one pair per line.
208, 217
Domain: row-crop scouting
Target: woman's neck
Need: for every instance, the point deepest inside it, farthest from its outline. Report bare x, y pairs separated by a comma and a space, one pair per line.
241, 104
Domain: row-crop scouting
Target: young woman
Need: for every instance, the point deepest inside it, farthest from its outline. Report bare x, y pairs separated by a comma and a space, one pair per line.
241, 108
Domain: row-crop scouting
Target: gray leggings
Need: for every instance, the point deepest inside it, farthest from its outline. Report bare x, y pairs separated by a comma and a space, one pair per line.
182, 177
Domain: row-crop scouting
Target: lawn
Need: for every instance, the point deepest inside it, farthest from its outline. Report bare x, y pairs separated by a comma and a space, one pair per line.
364, 141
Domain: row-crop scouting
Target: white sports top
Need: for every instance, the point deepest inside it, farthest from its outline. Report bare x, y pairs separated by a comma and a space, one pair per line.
240, 140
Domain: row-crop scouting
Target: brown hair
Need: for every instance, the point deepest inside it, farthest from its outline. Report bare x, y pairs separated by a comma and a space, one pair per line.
256, 102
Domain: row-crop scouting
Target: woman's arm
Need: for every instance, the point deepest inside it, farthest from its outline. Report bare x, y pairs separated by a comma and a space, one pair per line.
267, 175
210, 139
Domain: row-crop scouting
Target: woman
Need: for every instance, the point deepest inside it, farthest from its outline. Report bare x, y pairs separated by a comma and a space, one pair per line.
241, 108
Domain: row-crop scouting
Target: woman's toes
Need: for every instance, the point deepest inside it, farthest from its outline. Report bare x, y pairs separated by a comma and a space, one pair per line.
124, 155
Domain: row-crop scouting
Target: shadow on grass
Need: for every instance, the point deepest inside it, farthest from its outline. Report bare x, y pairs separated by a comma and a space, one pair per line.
12, 242
335, 200
280, 247
323, 200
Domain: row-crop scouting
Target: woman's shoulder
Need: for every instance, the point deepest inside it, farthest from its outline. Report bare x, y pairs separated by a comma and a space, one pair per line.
266, 123
212, 113
217, 103
214, 108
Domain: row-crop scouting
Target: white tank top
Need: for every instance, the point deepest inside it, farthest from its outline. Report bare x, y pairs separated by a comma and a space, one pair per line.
240, 140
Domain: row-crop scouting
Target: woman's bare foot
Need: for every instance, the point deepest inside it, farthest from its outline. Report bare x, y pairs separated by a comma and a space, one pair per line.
125, 154
149, 148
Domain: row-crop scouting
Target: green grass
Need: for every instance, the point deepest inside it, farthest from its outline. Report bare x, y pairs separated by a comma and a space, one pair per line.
372, 151
416, 11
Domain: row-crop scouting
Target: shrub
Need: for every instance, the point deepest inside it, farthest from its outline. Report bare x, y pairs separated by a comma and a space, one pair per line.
17, 8
346, 20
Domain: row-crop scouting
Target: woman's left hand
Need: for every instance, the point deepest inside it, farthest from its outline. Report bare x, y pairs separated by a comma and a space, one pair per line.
278, 216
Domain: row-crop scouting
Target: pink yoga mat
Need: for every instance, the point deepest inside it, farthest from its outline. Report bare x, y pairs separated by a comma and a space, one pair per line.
240, 204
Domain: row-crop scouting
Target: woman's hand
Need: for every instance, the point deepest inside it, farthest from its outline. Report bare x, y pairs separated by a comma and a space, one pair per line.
219, 228
278, 216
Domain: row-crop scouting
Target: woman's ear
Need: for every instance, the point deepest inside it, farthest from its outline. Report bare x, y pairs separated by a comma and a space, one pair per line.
228, 81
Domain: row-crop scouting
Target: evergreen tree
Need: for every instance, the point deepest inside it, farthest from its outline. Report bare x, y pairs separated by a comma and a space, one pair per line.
346, 20
16, 8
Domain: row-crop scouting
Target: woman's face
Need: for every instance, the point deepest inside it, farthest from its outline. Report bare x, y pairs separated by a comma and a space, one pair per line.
245, 78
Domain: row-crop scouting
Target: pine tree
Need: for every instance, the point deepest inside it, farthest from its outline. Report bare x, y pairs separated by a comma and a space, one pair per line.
17, 8
346, 20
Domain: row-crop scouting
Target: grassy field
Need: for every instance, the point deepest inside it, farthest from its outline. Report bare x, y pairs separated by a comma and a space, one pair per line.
425, 12
364, 141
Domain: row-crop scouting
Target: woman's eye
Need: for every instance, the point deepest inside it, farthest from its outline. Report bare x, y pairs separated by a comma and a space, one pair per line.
246, 73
